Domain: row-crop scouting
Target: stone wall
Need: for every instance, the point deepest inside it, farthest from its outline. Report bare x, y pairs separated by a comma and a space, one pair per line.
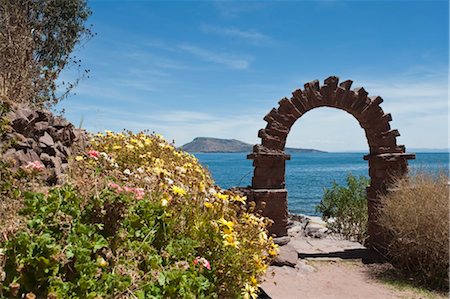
37, 135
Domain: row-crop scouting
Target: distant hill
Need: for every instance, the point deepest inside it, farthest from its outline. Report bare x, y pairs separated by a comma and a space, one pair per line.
217, 145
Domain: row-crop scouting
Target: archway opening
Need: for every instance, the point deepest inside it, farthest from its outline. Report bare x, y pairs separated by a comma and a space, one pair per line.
333, 145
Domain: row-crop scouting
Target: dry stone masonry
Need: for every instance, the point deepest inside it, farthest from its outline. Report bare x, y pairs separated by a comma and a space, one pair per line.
37, 135
386, 158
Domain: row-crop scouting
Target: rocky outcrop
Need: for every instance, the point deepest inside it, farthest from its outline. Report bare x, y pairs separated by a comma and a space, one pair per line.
34, 135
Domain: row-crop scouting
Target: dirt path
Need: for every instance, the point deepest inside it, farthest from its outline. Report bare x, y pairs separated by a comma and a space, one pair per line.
329, 280
327, 268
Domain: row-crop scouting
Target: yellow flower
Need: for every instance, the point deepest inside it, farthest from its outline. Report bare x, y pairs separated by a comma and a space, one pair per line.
250, 219
238, 198
228, 225
249, 292
79, 158
208, 204
101, 262
254, 281
178, 190
202, 186
273, 251
221, 196
129, 146
262, 237
230, 240
117, 147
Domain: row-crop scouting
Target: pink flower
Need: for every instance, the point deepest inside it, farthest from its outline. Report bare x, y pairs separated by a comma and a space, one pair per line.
139, 193
115, 186
203, 262
93, 154
128, 189
35, 165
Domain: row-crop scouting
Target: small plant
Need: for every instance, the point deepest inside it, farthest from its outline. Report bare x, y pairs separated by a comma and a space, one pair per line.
415, 216
345, 208
13, 184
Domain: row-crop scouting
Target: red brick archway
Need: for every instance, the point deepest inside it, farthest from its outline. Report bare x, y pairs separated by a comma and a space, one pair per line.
385, 157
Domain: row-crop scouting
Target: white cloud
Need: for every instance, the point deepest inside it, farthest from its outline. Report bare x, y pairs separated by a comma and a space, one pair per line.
247, 35
225, 59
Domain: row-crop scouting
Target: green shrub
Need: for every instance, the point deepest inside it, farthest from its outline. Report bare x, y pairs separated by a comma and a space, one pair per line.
415, 216
345, 208
137, 219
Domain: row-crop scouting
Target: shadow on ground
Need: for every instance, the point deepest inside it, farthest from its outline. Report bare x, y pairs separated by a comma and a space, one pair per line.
367, 256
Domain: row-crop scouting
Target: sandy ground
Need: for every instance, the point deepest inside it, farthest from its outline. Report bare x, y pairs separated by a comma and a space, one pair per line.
329, 280
330, 269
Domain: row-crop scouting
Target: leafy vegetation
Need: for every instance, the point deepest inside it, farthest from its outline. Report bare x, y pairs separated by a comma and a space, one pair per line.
37, 38
136, 219
345, 208
415, 216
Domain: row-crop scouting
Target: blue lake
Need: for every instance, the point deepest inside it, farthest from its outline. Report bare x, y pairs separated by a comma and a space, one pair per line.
307, 174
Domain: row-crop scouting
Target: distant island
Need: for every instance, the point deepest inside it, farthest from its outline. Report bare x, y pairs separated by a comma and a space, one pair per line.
217, 145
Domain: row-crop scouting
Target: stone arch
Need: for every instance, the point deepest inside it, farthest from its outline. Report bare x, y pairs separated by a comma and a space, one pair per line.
385, 157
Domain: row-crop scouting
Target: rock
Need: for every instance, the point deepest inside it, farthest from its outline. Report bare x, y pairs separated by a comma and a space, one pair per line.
33, 156
41, 126
20, 124
44, 115
45, 157
21, 111
287, 256
316, 231
297, 217
20, 140
59, 122
48, 150
57, 165
296, 230
303, 267
316, 227
280, 241
22, 157
59, 146
47, 140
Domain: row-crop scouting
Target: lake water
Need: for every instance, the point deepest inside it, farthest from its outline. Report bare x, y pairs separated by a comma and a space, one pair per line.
307, 174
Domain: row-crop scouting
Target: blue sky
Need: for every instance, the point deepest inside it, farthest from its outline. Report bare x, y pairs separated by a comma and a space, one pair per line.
215, 68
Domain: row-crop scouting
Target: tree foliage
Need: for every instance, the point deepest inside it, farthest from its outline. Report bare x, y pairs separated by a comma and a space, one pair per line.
37, 38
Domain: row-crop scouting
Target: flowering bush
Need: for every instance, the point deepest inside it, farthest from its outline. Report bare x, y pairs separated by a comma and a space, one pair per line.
137, 219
